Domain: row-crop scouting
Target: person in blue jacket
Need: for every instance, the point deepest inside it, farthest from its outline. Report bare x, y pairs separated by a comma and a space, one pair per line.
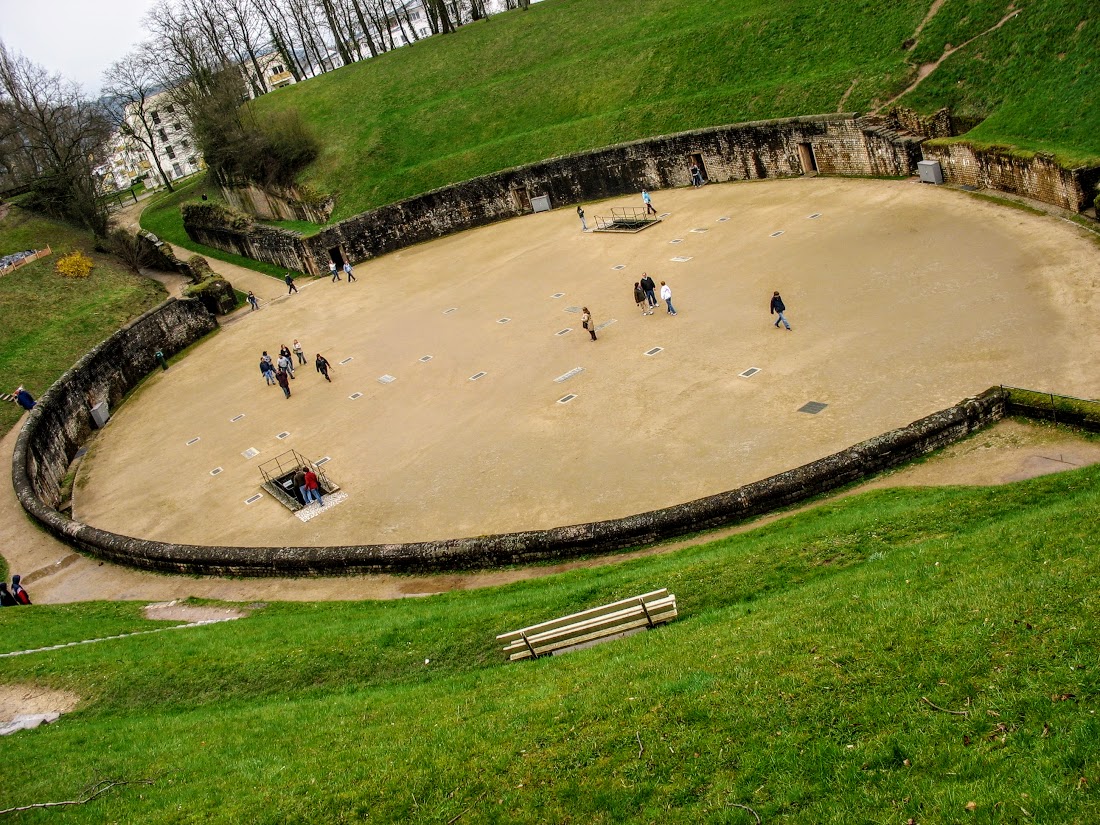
24, 399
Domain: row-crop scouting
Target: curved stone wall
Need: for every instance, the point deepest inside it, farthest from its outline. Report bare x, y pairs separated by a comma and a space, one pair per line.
61, 422
837, 144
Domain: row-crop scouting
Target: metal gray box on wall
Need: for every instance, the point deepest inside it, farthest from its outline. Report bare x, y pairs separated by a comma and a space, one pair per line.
930, 171
540, 203
100, 415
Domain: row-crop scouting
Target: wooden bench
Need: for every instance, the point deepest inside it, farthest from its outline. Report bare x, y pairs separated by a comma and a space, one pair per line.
590, 626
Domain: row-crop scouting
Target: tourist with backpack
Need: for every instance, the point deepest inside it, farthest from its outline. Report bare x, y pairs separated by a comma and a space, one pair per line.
17, 590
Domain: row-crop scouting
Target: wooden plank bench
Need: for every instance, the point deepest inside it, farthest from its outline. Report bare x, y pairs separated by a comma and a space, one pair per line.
589, 626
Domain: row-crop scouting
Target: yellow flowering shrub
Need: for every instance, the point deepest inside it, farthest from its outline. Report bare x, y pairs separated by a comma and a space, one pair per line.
74, 265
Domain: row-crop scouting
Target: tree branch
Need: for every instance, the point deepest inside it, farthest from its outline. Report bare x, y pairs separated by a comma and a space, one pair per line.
98, 789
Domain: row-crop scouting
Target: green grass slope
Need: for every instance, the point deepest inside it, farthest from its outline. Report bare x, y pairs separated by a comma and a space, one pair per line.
797, 682
50, 321
162, 217
570, 75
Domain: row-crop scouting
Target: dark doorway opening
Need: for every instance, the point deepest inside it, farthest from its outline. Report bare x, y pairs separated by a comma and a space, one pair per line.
806, 155
337, 257
521, 198
697, 160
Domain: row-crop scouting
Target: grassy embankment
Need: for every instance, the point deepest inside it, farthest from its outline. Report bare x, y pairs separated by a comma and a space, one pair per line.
50, 321
162, 217
808, 678
571, 75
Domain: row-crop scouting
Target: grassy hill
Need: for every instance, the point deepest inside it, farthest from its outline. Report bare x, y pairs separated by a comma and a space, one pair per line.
807, 678
570, 75
576, 74
50, 321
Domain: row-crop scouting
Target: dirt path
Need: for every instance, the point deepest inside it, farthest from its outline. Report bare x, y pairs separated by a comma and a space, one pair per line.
1030, 325
269, 290
53, 573
926, 69
423, 452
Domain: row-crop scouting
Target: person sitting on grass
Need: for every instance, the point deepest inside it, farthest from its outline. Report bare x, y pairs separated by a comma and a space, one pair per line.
18, 591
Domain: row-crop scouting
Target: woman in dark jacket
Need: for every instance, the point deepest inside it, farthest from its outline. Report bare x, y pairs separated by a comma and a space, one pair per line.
323, 366
6, 598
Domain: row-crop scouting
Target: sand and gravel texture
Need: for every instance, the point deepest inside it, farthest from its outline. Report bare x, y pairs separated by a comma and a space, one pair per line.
904, 298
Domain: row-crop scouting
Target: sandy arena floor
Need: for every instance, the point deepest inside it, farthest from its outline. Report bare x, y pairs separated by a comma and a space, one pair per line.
904, 299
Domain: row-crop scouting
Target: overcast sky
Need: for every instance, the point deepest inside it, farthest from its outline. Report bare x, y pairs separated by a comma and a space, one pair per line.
76, 38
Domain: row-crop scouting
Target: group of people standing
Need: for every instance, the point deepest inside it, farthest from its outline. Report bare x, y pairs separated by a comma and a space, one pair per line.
645, 295
15, 596
308, 486
281, 372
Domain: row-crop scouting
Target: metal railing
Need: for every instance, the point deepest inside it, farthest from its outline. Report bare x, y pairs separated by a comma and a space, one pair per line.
625, 219
1061, 409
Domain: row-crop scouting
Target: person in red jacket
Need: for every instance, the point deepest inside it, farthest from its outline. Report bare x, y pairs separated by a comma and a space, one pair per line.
18, 591
313, 487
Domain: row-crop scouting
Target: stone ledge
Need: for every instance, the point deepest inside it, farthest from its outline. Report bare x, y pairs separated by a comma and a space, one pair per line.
42, 456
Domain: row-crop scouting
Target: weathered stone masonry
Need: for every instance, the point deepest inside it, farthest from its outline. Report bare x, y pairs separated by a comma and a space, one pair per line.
61, 421
55, 428
840, 144
1037, 176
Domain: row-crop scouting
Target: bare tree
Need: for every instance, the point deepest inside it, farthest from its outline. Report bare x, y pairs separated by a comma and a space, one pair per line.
278, 31
246, 41
62, 136
131, 83
361, 14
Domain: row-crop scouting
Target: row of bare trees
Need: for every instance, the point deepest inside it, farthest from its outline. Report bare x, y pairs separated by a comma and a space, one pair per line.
193, 44
190, 38
208, 56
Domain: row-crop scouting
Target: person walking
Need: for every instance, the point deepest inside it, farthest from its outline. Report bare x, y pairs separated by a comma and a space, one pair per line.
284, 382
640, 299
588, 323
313, 487
289, 279
285, 361
696, 176
6, 598
778, 308
648, 201
267, 371
666, 296
24, 399
349, 273
298, 351
648, 288
580, 214
335, 272
252, 300
17, 590
323, 366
